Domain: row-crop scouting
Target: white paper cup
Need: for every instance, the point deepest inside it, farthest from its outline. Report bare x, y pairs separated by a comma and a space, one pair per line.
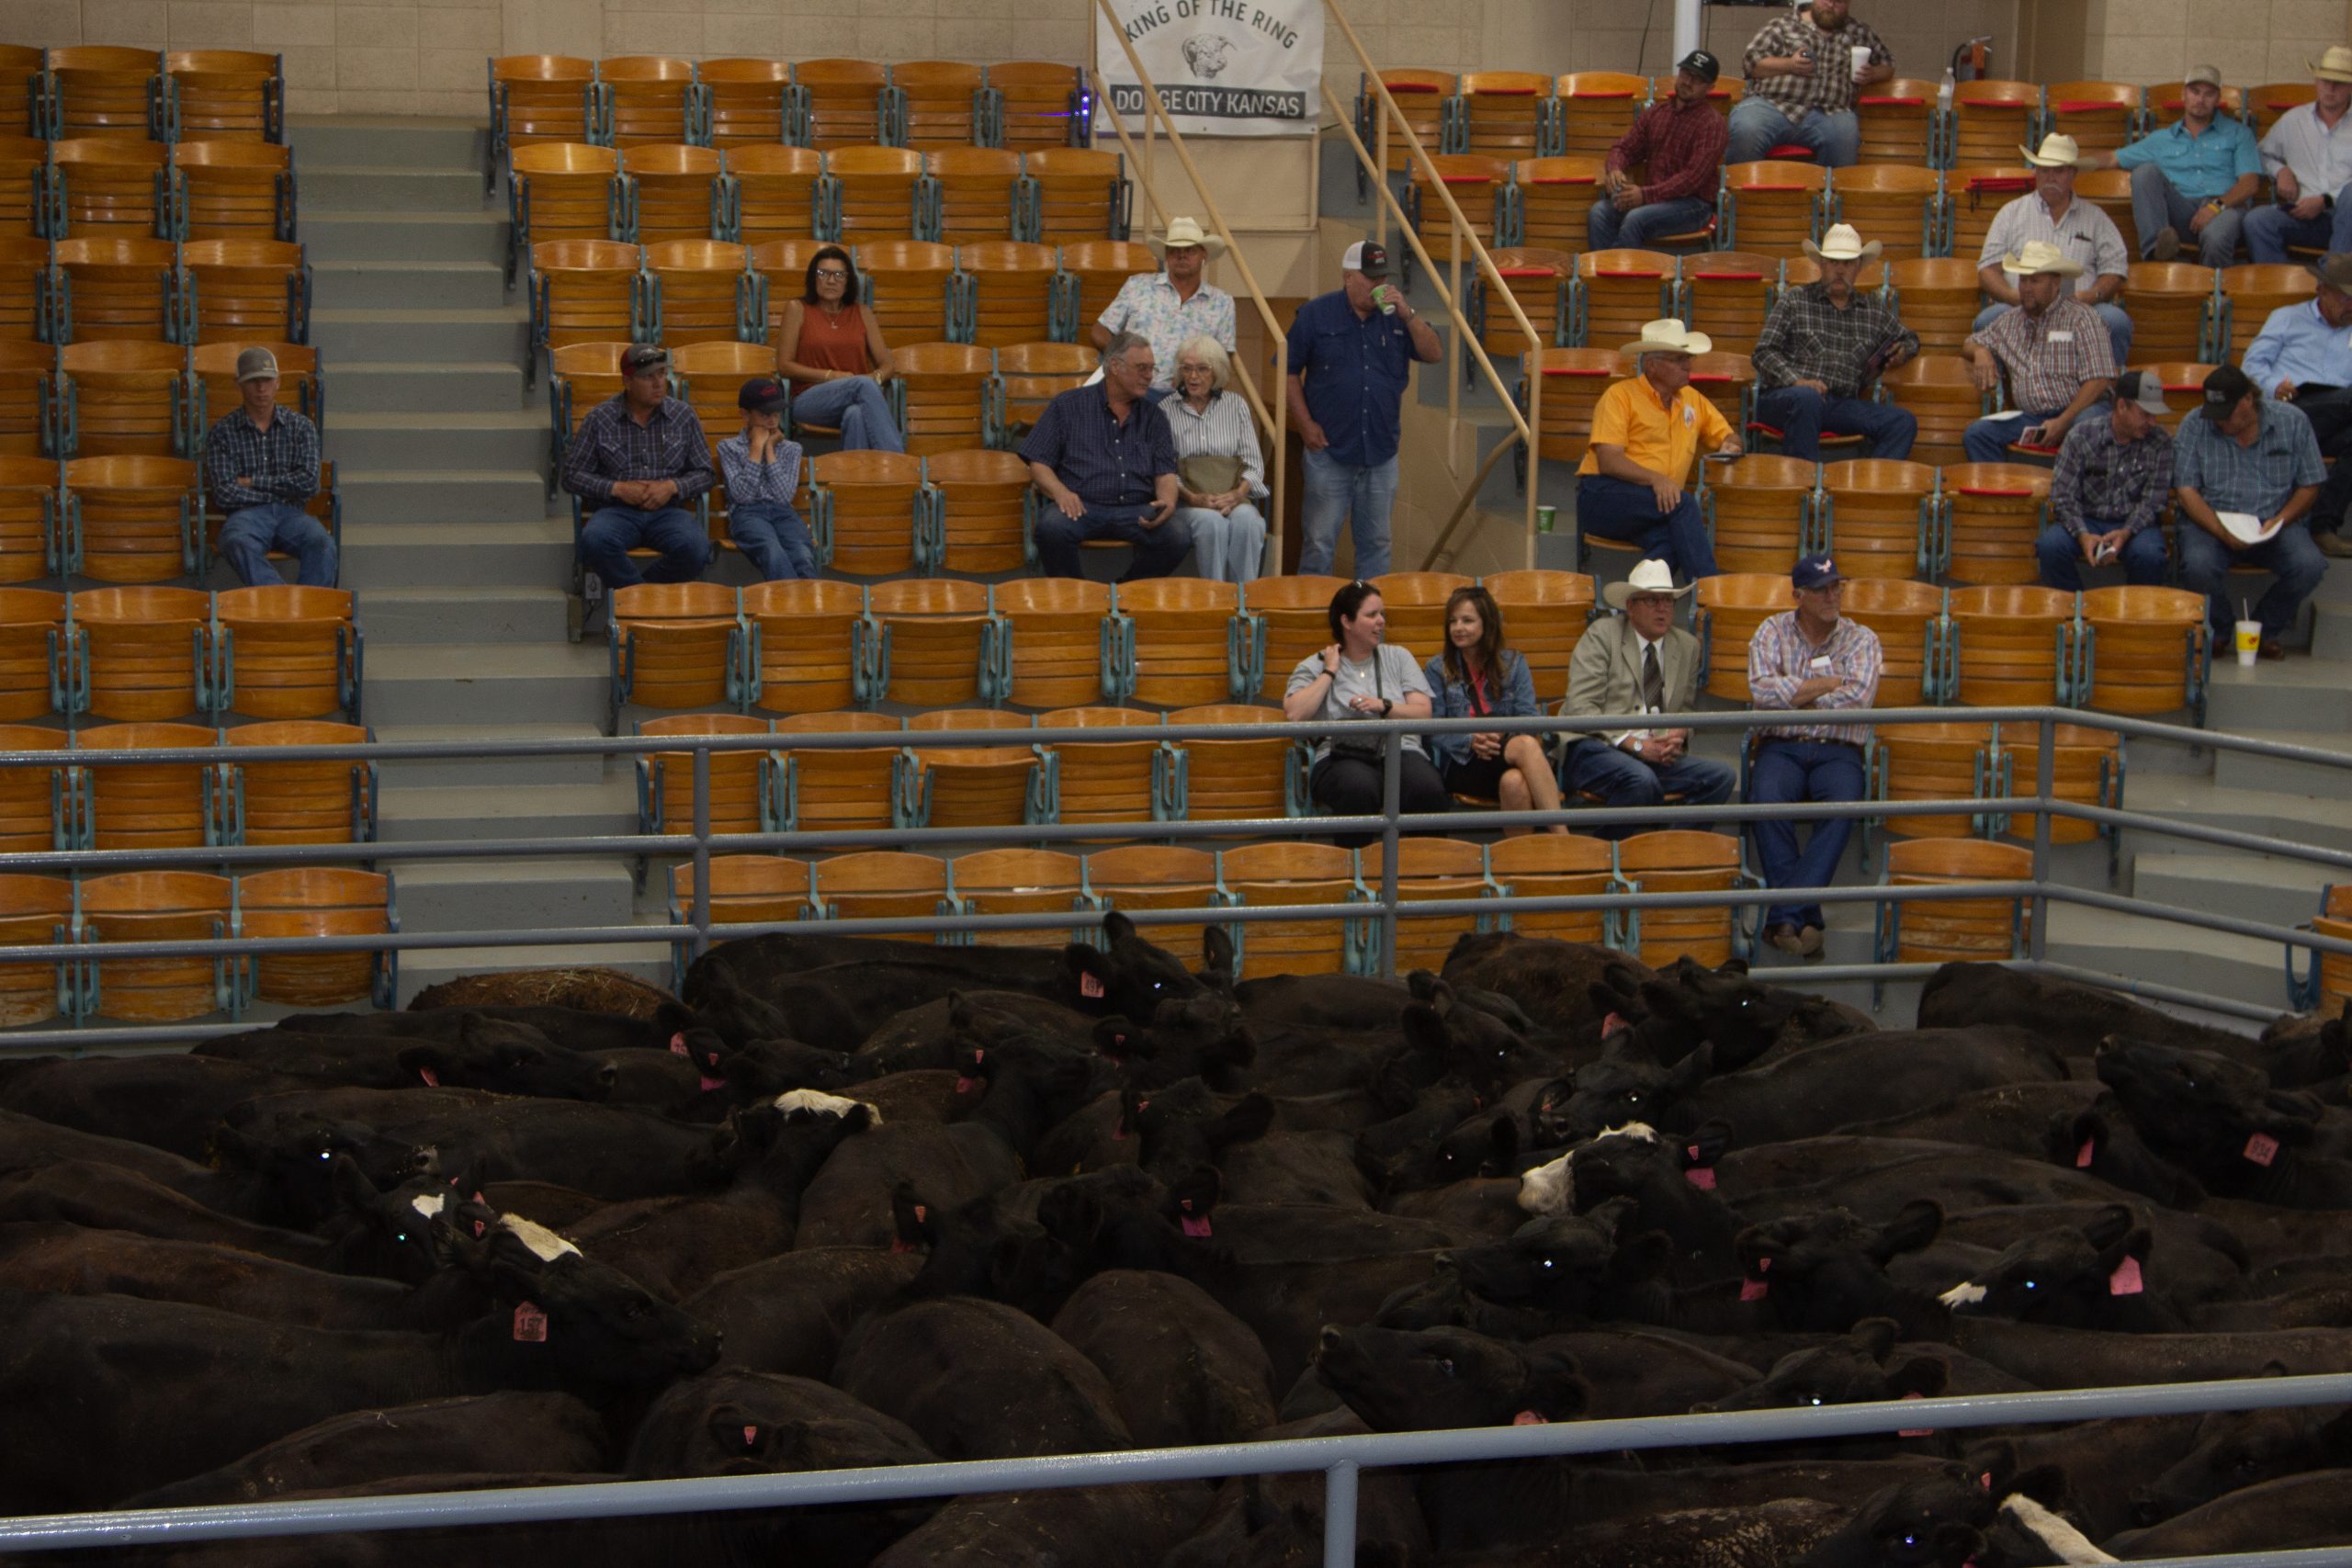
1861, 58
2249, 642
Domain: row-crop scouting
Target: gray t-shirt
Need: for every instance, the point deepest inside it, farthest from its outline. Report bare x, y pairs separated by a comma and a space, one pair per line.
1400, 674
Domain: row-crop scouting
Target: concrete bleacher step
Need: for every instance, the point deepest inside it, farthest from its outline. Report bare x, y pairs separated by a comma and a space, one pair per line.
2262, 888
487, 684
2296, 694
358, 141
586, 768
431, 614
2241, 770
507, 438
488, 895
2332, 630
503, 334
402, 385
423, 968
414, 496
479, 811
371, 234
2296, 817
407, 284
534, 552
362, 188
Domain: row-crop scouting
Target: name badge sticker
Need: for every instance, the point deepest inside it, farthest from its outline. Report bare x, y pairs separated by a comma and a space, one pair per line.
2060, 337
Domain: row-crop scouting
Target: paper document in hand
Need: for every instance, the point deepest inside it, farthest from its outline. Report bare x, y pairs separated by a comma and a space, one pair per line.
2244, 527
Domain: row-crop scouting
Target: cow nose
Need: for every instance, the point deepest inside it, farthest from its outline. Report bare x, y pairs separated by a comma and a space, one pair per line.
606, 1073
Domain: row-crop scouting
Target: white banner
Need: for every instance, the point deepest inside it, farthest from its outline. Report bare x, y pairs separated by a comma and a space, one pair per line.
1223, 67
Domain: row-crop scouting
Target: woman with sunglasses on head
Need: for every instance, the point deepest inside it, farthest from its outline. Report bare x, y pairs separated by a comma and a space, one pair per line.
1359, 677
1220, 472
1477, 677
829, 346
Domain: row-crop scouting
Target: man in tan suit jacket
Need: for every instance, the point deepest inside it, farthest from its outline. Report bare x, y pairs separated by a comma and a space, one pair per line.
1638, 662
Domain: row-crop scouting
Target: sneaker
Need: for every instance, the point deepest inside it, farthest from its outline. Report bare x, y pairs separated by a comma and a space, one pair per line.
1809, 942
2167, 245
1787, 939
2334, 544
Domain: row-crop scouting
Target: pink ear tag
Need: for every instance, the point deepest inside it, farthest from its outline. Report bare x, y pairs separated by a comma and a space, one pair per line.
530, 1325
1985, 1482
2084, 1155
1917, 1431
1611, 1025
750, 1436
922, 1213
967, 1085
1702, 1176
1087, 985
1754, 1290
2125, 1280
1529, 1418
2262, 1149
709, 1083
431, 1080
478, 1227
1196, 1227
678, 1043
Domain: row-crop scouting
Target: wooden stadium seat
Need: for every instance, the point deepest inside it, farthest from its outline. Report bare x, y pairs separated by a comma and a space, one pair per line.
870, 194
699, 292
1226, 781
1538, 280
580, 375
115, 288
2100, 116
972, 786
941, 395
1574, 381
1680, 860
585, 291
1555, 866
2264, 105
1797, 271
1898, 122
244, 291
1023, 881
120, 399
1729, 609
709, 376
32, 634
739, 780
1266, 875
1076, 193
540, 98
1424, 99
2173, 306
1188, 641
1947, 930
1726, 295
647, 98
103, 187
1010, 293
912, 288
1770, 206
2086, 769
2110, 190
1978, 192
105, 90
148, 805
831, 789
1937, 390
744, 890
134, 519
864, 510
24, 290
300, 387
1903, 614
319, 901
1899, 205
1992, 515
40, 808
938, 105
2164, 107
801, 657
879, 885
1155, 877
22, 95
1550, 198
674, 645
1725, 381
1618, 291
1760, 510
1596, 107
34, 911
2248, 295
1504, 114
1059, 641
1938, 298
160, 906
1294, 614
143, 653
235, 190
2184, 387
744, 103
1036, 373
2144, 649
1546, 613
1476, 183
1878, 517
973, 194
837, 103
782, 266
774, 193
1100, 269
980, 510
1991, 118
2334, 969
927, 642
1414, 602
1427, 869
564, 190
280, 651
24, 181
226, 94
1036, 103
33, 544
325, 802
1933, 761
1102, 780
676, 192
2011, 645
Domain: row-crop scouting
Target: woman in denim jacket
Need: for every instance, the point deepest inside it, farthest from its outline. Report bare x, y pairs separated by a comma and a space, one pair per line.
1477, 676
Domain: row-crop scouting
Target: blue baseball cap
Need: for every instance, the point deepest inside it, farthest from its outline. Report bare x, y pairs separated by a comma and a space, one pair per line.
1816, 572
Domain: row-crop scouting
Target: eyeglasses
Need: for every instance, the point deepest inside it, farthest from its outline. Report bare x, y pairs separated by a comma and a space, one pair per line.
837, 274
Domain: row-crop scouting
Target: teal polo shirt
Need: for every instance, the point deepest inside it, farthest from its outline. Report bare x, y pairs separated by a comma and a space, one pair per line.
2199, 167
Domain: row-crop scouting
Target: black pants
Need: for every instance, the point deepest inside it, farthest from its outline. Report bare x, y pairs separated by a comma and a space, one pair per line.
1345, 786
2331, 416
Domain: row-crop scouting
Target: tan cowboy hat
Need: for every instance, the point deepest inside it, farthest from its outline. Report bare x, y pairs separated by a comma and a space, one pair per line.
2335, 65
1841, 244
1668, 336
2057, 152
1648, 577
2040, 258
1186, 231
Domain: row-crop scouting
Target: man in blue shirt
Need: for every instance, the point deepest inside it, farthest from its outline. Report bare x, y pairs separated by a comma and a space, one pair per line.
1106, 460
2193, 177
2303, 356
2244, 454
1350, 353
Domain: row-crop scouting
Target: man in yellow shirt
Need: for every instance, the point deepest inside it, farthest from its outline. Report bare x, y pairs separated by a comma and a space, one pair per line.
1646, 433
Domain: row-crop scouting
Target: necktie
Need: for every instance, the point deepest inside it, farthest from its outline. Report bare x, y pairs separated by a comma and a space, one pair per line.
1652, 682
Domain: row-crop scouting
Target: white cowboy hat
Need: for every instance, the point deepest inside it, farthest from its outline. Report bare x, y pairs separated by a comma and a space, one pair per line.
1841, 244
1648, 577
2041, 257
1186, 231
1669, 336
2335, 65
2057, 152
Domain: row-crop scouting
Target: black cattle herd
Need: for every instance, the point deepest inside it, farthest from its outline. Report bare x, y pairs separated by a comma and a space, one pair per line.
848, 1203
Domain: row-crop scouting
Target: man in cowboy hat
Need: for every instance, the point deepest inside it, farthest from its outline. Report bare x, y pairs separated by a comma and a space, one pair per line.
1801, 84
1822, 346
1646, 433
2052, 214
2192, 178
1638, 662
2303, 356
2052, 349
2307, 155
1169, 307
2113, 477
1679, 141
2245, 453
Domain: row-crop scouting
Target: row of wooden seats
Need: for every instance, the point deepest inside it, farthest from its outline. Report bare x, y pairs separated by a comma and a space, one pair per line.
149, 653
188, 905
142, 94
1991, 763
118, 398
144, 290
93, 186
135, 518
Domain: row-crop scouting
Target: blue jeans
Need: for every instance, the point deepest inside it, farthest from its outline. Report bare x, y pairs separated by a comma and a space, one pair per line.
2270, 229
1801, 414
2119, 326
2157, 204
2062, 556
1619, 509
1757, 126
612, 532
772, 538
250, 533
1605, 227
1363, 496
1792, 770
2205, 565
1227, 546
857, 407
1159, 551
1594, 767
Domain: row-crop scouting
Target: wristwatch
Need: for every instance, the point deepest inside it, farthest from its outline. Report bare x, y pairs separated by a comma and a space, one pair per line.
1385, 705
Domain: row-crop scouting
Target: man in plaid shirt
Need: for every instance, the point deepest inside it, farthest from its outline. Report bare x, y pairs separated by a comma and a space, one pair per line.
2114, 475
1801, 82
1681, 141
1822, 346
261, 463
2053, 350
639, 460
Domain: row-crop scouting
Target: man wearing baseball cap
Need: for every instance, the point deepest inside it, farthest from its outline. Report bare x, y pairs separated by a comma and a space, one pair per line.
2112, 480
639, 460
2308, 156
2191, 179
261, 463
762, 469
1351, 354
2303, 356
2248, 455
1172, 306
1812, 661
2051, 213
1681, 141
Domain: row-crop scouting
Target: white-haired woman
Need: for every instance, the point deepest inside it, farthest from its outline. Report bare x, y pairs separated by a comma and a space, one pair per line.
1219, 473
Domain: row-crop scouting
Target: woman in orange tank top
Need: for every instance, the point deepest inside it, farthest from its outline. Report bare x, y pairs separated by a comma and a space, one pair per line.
831, 348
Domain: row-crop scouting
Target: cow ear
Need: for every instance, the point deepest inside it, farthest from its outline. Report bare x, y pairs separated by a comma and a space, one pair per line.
2134, 1244
1502, 1141
1692, 1071
676, 1017
1217, 956
1874, 1338
1666, 1000
910, 1218
2045, 1483
1913, 1227
1089, 967
1555, 1390
1120, 1040
1246, 1122
425, 1063
1926, 1376
1706, 1147
510, 1280
1117, 926
2106, 1227
1423, 985
743, 1434
1424, 1029
350, 1185
1732, 966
